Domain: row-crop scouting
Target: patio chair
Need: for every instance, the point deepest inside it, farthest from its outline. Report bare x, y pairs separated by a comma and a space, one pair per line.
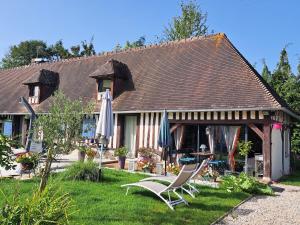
190, 185
158, 188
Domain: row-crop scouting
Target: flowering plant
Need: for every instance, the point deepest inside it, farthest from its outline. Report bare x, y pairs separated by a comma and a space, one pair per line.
29, 159
145, 163
174, 169
91, 153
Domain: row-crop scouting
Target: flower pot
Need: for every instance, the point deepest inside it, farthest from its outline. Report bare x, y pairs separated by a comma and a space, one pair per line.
122, 160
81, 156
146, 170
27, 166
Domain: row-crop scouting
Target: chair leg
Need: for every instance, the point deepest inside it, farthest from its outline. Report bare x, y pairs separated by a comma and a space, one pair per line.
180, 197
127, 190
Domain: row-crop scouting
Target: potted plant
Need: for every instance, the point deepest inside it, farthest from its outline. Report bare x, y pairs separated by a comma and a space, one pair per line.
244, 148
27, 160
82, 149
90, 154
121, 153
173, 169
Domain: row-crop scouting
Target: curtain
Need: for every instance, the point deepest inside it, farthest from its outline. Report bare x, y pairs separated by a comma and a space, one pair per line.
178, 136
231, 136
130, 135
210, 132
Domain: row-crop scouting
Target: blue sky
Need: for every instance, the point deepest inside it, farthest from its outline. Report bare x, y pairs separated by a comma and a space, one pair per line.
258, 28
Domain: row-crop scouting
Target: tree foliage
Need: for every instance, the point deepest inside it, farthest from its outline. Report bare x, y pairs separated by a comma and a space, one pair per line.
266, 73
61, 128
134, 44
191, 22
6, 153
23, 53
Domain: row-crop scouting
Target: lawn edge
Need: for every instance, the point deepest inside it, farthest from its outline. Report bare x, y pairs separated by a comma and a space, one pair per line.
231, 210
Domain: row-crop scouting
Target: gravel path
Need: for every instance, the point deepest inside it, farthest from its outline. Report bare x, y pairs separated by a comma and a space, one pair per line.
282, 209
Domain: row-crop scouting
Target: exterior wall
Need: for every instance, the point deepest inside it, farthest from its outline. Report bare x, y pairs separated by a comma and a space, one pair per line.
276, 154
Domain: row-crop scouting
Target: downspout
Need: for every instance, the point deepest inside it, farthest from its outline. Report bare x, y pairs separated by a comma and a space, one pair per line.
24, 102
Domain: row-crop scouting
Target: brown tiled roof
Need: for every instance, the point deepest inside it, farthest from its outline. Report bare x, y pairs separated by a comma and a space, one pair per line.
202, 73
111, 68
43, 76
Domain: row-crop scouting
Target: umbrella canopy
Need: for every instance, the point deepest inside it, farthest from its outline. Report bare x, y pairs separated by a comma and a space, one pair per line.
104, 127
164, 138
105, 123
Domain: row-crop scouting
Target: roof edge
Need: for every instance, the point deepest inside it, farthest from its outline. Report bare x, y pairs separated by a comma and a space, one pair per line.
109, 53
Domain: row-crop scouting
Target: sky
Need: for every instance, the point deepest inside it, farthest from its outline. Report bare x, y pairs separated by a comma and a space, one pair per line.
258, 28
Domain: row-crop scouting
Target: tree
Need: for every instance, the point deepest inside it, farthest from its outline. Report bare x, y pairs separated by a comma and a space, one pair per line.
266, 73
128, 45
135, 44
75, 50
88, 48
58, 51
60, 128
282, 73
191, 22
6, 153
23, 53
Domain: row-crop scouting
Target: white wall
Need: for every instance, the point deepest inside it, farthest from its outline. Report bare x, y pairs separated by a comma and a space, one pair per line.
276, 154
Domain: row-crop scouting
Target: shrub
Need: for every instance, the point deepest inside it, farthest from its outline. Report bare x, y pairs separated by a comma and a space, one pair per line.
48, 207
82, 171
6, 152
246, 183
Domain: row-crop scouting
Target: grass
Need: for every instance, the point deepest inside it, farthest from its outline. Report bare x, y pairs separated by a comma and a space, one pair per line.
294, 178
106, 202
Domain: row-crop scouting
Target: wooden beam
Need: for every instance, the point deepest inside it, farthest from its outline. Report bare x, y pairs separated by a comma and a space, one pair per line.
257, 130
219, 122
267, 152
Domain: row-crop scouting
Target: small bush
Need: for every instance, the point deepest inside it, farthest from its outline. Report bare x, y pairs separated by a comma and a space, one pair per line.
246, 183
49, 207
82, 171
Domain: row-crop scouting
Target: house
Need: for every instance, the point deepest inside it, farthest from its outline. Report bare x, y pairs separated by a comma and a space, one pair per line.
213, 96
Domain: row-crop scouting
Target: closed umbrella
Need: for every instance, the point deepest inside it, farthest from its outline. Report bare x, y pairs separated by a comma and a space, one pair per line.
164, 138
104, 128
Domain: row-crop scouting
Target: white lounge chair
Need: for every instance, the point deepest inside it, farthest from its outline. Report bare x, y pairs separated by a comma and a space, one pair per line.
158, 188
191, 188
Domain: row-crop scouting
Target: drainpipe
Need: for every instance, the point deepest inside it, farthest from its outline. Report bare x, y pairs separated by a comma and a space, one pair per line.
24, 102
246, 157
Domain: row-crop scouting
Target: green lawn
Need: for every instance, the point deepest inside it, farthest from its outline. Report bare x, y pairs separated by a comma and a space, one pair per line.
106, 202
293, 179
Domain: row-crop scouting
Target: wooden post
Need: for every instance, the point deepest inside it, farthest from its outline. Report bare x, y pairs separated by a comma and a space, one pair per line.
267, 151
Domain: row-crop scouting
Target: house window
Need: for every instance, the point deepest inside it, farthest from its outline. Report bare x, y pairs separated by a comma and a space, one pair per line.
34, 91
103, 85
7, 128
89, 128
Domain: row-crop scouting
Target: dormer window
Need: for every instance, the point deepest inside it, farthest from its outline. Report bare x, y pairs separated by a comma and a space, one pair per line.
41, 85
110, 75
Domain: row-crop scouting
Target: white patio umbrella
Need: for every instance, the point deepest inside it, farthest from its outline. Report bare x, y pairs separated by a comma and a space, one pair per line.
104, 128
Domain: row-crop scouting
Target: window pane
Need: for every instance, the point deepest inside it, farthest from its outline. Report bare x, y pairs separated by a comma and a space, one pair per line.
89, 128
103, 85
7, 128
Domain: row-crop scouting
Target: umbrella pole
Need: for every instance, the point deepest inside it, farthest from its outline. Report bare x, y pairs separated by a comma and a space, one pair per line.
100, 162
165, 154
